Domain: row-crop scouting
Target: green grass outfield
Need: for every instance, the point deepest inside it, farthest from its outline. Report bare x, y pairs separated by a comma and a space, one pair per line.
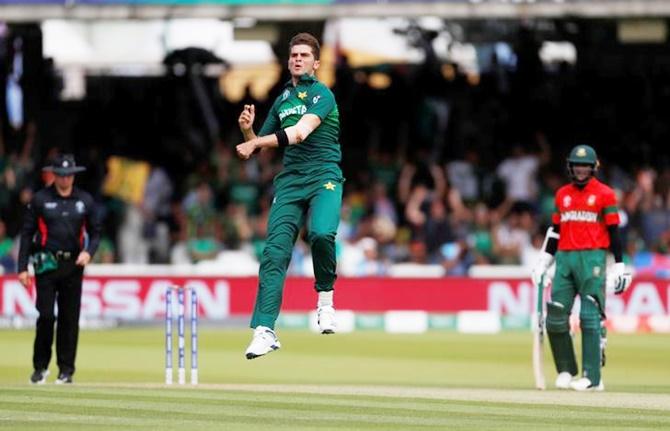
363, 380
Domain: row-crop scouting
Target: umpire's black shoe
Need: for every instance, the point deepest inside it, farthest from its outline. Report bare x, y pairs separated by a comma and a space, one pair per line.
64, 378
39, 377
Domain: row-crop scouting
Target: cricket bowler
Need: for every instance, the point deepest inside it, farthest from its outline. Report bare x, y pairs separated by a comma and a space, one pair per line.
304, 121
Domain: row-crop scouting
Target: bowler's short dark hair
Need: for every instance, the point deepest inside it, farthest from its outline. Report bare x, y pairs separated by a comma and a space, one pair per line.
306, 39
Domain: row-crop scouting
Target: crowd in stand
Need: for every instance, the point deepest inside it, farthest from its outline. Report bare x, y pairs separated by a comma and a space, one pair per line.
442, 168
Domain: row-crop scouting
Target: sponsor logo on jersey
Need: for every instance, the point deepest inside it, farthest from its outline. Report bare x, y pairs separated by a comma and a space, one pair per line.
80, 207
585, 216
294, 110
316, 98
591, 200
50, 205
567, 200
285, 95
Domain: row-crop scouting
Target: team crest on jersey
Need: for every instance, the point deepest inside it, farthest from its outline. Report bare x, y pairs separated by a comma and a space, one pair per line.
591, 200
596, 271
302, 95
80, 207
285, 95
567, 200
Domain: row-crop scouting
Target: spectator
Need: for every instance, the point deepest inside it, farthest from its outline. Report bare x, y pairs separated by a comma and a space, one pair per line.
381, 203
512, 236
455, 259
480, 239
365, 260
157, 213
202, 224
519, 173
106, 252
7, 261
463, 175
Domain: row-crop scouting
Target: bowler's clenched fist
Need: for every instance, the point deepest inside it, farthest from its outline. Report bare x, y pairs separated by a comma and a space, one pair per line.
246, 149
246, 120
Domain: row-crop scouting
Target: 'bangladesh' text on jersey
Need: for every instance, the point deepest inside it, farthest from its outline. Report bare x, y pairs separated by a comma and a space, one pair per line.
584, 214
309, 96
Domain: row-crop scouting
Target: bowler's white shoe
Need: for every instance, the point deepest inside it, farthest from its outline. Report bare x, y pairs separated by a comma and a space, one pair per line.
326, 318
264, 341
584, 384
563, 380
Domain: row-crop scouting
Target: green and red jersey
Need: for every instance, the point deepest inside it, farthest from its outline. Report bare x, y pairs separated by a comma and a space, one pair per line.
584, 215
309, 96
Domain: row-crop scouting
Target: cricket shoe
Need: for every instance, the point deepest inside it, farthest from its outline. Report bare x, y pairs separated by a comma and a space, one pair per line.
584, 384
264, 341
325, 317
563, 380
63, 379
39, 377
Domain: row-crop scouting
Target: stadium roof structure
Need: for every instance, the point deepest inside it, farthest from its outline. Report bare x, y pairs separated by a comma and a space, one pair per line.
311, 10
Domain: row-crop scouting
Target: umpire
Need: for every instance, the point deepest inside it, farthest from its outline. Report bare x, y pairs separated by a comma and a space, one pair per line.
60, 233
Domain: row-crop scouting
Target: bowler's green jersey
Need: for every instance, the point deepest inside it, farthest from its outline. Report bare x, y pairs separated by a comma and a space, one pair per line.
309, 96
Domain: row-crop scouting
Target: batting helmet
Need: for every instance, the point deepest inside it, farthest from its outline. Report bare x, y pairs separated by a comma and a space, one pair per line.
582, 155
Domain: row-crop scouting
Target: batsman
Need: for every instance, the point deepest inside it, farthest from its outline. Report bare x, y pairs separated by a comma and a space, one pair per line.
585, 226
304, 121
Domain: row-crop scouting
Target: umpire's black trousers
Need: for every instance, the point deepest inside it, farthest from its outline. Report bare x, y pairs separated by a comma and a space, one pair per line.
61, 286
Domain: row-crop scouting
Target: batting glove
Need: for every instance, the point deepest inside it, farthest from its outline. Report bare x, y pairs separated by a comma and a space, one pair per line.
618, 279
543, 263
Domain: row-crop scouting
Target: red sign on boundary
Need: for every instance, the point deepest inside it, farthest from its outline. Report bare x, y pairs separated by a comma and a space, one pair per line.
142, 298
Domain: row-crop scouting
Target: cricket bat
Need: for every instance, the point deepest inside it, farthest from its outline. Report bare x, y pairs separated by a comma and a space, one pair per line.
538, 339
